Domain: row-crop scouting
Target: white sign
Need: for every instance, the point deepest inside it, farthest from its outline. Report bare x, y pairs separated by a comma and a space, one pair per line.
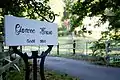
21, 31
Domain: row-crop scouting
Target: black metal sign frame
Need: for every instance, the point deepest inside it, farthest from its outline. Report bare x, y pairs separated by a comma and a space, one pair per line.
34, 56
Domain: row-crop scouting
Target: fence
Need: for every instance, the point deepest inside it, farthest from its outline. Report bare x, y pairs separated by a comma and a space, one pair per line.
6, 63
69, 46
7, 66
74, 47
113, 50
65, 46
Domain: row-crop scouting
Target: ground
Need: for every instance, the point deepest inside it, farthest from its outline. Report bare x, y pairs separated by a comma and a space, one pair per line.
82, 69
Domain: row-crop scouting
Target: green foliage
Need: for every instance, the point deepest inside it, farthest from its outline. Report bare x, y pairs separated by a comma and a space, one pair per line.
32, 9
68, 15
68, 5
50, 75
75, 22
107, 10
98, 48
82, 8
63, 28
93, 7
14, 75
63, 33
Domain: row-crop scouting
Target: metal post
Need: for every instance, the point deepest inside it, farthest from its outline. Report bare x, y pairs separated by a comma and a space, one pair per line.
43, 56
74, 44
86, 48
27, 68
34, 55
58, 49
25, 58
42, 68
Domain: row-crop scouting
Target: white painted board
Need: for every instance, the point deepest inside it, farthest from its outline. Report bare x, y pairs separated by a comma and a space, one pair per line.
22, 31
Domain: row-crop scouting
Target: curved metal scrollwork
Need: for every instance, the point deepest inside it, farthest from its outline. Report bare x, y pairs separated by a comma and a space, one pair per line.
49, 16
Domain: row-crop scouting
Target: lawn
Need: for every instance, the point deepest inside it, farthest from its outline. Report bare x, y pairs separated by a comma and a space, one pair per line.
49, 74
92, 59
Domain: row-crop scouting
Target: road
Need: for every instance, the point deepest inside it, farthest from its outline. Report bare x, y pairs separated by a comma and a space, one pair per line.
82, 69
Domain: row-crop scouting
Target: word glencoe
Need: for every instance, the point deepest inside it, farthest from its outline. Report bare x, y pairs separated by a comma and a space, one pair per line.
21, 30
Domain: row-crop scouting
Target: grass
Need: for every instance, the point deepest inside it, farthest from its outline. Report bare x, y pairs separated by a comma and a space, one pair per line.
15, 75
49, 74
77, 57
91, 59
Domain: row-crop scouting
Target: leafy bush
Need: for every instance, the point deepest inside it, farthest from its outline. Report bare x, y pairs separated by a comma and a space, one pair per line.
98, 48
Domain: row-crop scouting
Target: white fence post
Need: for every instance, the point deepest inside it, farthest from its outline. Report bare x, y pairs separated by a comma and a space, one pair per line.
1, 77
1, 47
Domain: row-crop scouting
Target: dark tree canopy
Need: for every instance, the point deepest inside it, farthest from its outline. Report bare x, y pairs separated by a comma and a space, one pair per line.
107, 10
28, 8
32, 9
90, 8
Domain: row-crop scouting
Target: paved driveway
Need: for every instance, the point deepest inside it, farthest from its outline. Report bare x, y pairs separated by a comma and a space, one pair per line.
82, 69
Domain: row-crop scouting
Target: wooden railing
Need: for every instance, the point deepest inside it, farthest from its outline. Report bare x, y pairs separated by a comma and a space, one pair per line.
6, 63
110, 47
73, 45
7, 66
